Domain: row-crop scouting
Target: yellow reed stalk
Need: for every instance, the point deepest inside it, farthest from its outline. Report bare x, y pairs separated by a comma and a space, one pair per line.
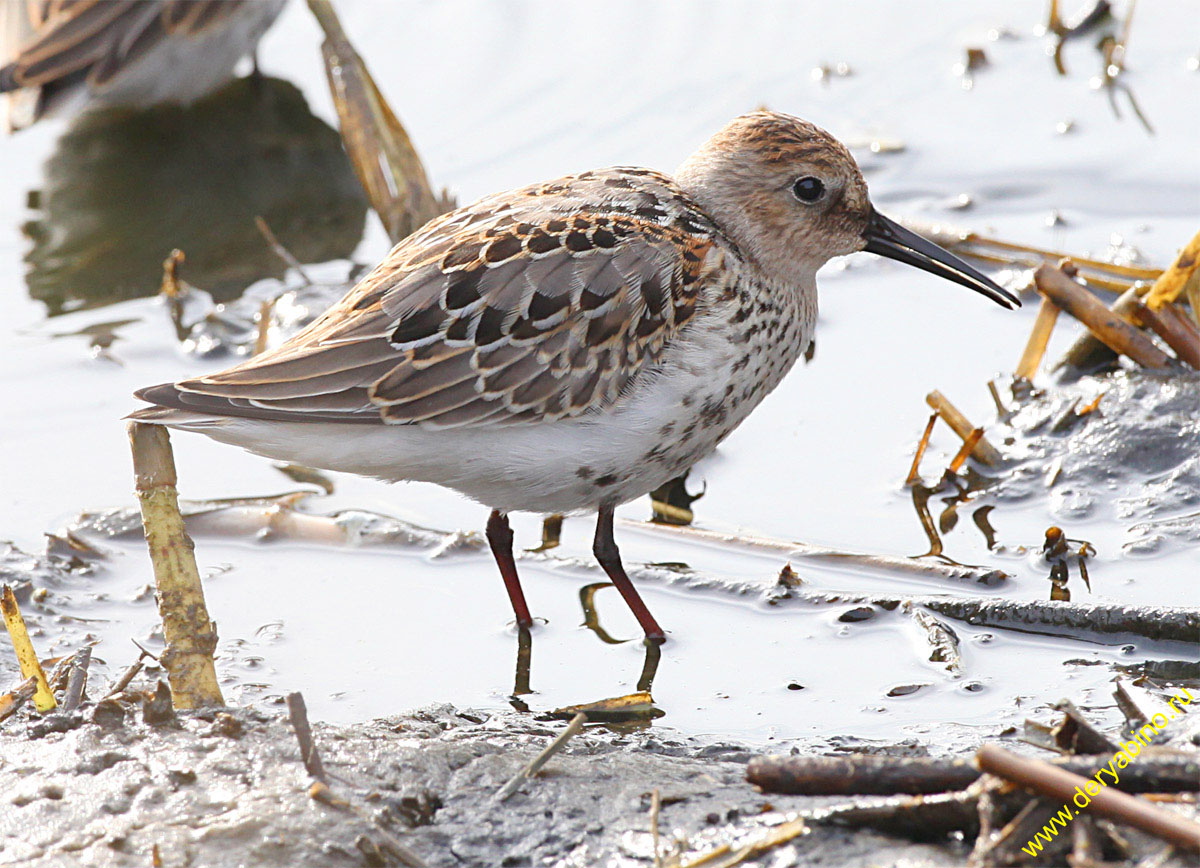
1038, 339
191, 637
983, 449
1171, 284
43, 699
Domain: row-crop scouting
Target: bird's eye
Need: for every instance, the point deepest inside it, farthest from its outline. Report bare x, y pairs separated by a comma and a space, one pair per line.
808, 189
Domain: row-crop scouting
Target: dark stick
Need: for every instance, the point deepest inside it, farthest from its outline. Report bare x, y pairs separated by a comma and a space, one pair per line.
78, 678
605, 548
1057, 783
1081, 620
884, 776
298, 714
12, 701
129, 674
1174, 332
1001, 847
500, 538
1109, 328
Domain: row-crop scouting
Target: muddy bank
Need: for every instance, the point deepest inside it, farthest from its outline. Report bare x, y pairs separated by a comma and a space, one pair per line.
229, 789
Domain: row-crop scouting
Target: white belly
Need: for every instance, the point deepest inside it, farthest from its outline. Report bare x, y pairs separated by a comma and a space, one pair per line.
182, 69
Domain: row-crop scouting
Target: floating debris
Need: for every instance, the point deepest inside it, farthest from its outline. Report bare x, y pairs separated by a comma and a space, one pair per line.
975, 59
826, 71
671, 503
1059, 552
634, 707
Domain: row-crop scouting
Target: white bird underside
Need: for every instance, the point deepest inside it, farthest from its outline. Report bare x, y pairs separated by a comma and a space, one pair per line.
570, 465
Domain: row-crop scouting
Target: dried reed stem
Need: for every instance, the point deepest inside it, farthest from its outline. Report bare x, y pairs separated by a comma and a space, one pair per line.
969, 444
1175, 331
983, 450
43, 698
1171, 283
914, 472
191, 637
380, 150
1113, 331
1039, 337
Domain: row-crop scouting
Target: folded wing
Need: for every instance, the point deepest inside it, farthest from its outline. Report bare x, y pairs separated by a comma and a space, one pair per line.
525, 307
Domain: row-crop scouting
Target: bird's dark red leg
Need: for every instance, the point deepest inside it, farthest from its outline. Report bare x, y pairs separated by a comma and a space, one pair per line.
500, 538
605, 549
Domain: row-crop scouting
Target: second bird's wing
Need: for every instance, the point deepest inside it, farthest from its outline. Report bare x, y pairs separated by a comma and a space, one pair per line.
527, 306
78, 40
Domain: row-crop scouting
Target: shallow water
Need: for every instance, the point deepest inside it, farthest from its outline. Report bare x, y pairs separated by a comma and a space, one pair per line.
492, 101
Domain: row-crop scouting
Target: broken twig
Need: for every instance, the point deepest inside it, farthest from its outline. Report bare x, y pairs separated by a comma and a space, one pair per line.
1108, 327
866, 775
13, 700
803, 551
655, 807
1175, 331
914, 472
542, 758
129, 674
78, 678
289, 258
1057, 783
983, 449
298, 715
1039, 337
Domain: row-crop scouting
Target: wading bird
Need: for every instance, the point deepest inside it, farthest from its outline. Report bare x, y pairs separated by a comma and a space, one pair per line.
570, 345
64, 54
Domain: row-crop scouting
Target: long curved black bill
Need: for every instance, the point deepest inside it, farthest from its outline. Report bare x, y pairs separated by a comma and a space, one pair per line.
888, 238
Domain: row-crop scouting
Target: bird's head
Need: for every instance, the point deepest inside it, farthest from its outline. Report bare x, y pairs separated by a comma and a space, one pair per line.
792, 198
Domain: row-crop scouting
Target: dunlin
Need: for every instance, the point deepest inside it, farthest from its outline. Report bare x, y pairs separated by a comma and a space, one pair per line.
125, 52
570, 345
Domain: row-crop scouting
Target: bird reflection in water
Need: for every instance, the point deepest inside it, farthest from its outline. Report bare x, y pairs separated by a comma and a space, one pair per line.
123, 188
642, 713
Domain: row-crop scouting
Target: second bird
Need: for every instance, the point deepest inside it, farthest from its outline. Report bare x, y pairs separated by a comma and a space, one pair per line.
571, 345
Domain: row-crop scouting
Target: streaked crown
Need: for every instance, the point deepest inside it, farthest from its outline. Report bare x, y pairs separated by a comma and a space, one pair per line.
786, 191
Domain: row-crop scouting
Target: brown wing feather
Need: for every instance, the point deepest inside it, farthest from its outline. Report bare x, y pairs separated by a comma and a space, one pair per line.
96, 37
527, 306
